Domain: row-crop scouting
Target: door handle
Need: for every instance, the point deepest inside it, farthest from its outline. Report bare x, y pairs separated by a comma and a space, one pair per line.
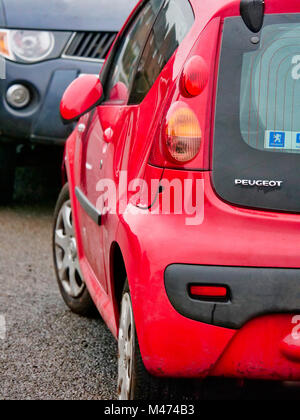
108, 135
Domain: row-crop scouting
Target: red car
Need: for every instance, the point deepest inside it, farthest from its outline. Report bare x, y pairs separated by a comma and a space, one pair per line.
179, 219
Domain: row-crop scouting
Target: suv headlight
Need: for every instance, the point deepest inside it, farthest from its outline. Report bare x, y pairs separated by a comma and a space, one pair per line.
31, 46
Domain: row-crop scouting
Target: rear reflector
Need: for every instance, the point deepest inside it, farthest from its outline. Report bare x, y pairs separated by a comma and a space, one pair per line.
217, 292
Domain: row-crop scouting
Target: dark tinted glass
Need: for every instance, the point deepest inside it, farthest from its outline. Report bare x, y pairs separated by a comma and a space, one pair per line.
129, 52
172, 25
256, 159
270, 101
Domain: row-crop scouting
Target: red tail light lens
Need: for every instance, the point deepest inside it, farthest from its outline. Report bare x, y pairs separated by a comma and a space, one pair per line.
194, 77
183, 133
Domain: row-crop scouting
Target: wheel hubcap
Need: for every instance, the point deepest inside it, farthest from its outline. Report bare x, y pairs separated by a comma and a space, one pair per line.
126, 349
66, 253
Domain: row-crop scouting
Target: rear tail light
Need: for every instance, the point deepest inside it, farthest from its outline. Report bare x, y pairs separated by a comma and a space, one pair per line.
183, 133
182, 140
194, 77
209, 292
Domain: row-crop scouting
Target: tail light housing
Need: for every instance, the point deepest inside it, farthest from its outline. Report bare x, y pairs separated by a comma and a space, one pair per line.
182, 139
183, 134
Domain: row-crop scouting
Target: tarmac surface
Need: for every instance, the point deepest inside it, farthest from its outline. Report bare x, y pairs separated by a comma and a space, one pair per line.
47, 352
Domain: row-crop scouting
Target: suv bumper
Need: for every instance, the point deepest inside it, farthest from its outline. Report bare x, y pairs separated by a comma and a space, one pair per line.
40, 121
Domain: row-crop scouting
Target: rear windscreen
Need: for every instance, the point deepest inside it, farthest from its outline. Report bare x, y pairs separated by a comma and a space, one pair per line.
256, 160
270, 90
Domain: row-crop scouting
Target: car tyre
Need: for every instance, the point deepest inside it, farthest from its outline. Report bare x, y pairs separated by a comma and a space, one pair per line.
134, 381
66, 262
7, 172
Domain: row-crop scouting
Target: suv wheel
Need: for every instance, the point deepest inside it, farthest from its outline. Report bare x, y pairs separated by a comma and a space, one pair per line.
66, 261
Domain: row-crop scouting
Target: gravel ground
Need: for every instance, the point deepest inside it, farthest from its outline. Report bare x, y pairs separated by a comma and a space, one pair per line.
48, 352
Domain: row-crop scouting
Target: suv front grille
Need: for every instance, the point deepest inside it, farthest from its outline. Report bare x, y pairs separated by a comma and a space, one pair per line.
90, 45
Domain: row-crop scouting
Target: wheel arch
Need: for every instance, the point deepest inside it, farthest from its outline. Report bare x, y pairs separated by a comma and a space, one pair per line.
64, 174
118, 276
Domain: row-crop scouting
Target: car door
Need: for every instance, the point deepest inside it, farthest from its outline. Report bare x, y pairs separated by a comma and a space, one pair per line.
105, 136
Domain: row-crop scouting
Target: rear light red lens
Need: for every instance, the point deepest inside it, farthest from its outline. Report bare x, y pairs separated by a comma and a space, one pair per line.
217, 292
194, 76
183, 133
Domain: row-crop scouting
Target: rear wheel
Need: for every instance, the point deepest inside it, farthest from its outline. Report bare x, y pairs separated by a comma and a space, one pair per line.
134, 381
66, 261
7, 172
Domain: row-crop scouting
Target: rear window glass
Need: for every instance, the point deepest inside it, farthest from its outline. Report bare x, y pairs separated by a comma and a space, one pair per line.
256, 150
270, 90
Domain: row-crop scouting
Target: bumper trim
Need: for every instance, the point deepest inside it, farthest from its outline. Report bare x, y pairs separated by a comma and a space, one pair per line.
253, 292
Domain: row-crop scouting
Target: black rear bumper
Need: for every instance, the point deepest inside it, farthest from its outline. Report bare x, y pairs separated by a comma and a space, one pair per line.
253, 292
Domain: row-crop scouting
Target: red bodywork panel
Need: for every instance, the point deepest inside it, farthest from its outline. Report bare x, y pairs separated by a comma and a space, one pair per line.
172, 345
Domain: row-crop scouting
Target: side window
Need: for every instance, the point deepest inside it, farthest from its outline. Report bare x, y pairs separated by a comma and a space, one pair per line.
129, 52
172, 25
